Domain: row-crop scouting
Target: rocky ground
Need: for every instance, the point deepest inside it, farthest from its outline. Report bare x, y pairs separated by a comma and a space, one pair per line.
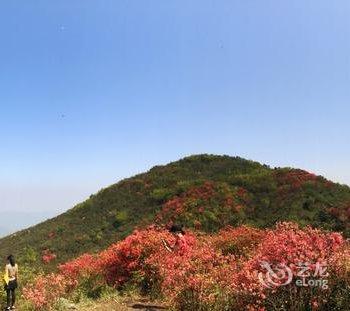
118, 304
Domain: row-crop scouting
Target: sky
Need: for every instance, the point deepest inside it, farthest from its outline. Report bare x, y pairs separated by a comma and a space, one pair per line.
95, 91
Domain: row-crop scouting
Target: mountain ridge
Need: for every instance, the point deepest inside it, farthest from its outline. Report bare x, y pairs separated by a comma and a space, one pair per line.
208, 189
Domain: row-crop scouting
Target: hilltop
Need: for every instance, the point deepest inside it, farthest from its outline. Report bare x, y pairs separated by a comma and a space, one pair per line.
205, 192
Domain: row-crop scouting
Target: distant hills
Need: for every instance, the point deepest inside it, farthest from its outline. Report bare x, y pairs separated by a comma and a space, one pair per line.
201, 191
12, 221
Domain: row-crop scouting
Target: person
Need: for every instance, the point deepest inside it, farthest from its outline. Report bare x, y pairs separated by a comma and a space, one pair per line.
11, 275
180, 244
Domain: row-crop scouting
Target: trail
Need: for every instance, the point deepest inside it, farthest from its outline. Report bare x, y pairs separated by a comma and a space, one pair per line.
124, 305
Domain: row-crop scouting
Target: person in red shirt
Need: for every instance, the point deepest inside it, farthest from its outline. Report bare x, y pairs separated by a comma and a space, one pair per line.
180, 246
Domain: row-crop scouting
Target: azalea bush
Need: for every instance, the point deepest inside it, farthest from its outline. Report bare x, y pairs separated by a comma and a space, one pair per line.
46, 290
296, 178
83, 266
85, 274
237, 268
294, 253
47, 256
206, 207
241, 241
192, 280
126, 259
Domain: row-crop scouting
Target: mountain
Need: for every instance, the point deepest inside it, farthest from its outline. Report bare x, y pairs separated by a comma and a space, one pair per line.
22, 220
202, 191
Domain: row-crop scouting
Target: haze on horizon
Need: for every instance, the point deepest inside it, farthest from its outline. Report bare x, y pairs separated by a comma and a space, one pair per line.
92, 92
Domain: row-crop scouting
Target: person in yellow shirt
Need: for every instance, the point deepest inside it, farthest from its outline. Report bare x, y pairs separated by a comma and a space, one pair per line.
11, 276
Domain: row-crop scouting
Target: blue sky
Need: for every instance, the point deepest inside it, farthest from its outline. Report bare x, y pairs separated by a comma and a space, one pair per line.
94, 91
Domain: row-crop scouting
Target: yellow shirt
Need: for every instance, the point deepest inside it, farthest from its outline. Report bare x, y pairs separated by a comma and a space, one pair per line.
12, 271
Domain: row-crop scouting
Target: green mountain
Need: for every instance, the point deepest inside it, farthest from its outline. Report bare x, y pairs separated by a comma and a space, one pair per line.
201, 191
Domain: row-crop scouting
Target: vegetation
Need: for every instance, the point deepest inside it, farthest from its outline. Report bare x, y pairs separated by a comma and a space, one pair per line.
221, 271
229, 207
204, 192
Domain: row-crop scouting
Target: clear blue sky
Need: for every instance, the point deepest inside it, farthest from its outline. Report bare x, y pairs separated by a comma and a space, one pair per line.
94, 91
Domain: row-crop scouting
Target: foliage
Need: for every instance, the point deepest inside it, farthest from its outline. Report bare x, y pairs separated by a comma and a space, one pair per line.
220, 271
48, 256
46, 290
213, 191
207, 207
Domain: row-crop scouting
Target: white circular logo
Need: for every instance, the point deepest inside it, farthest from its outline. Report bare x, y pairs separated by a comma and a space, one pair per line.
278, 275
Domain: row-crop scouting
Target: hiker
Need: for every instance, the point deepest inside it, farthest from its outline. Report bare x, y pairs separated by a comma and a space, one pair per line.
10, 277
180, 244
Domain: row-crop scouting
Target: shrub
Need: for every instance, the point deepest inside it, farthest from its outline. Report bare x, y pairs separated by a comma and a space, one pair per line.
46, 290
48, 256
222, 271
121, 260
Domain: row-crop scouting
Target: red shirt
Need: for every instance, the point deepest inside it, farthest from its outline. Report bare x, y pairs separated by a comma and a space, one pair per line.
181, 246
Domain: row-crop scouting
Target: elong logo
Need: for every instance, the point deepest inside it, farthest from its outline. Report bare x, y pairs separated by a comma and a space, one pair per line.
281, 275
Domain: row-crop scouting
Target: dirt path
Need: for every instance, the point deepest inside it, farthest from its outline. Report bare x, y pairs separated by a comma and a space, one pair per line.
122, 305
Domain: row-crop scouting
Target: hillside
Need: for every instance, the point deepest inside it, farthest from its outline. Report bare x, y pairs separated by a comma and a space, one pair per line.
203, 191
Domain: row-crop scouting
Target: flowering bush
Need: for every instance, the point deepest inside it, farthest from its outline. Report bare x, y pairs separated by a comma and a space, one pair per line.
85, 265
341, 213
296, 253
208, 207
191, 279
123, 259
288, 244
236, 268
46, 290
296, 178
240, 241
48, 256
